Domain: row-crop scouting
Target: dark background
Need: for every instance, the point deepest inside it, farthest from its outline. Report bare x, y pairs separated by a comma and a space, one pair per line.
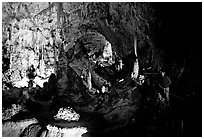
179, 36
180, 31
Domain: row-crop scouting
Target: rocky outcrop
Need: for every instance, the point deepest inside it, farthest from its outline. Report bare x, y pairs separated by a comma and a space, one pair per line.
33, 130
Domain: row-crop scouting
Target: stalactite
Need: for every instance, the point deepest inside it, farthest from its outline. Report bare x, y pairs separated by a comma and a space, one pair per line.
135, 72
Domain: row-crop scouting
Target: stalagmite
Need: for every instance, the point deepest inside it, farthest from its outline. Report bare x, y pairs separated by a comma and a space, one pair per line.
135, 72
120, 64
89, 80
42, 64
103, 89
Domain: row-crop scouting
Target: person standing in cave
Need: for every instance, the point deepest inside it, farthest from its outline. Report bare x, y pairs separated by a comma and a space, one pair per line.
164, 83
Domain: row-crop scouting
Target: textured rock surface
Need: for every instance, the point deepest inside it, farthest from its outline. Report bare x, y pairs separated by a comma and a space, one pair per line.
14, 129
32, 130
